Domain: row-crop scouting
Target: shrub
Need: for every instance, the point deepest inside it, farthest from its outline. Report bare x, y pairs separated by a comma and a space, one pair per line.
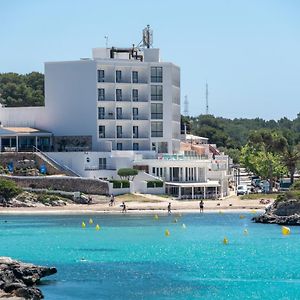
296, 185
118, 184
127, 173
9, 189
155, 183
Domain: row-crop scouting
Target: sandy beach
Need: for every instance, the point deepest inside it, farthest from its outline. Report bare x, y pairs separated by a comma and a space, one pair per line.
142, 204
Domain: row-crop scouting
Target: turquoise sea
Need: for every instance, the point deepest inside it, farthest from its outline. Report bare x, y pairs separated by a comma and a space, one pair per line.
131, 258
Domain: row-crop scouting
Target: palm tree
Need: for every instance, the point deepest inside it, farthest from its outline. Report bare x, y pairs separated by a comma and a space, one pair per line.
290, 158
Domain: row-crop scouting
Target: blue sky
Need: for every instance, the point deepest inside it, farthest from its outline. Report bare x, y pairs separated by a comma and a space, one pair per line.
247, 51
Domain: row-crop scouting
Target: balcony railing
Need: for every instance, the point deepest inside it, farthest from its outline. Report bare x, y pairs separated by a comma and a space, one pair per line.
123, 117
123, 136
138, 117
106, 117
106, 99
100, 167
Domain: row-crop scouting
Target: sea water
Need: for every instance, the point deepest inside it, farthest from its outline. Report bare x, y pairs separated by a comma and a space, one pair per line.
130, 257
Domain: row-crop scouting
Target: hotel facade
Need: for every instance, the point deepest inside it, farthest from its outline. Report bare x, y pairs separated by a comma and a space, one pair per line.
121, 108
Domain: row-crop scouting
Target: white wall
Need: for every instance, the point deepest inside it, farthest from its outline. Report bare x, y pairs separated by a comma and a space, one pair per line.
71, 99
23, 116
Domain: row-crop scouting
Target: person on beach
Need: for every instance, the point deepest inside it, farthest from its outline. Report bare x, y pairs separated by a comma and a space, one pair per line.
124, 210
112, 200
169, 208
201, 205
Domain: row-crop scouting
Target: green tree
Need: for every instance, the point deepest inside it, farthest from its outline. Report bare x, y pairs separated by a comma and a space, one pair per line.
22, 90
8, 189
290, 158
127, 173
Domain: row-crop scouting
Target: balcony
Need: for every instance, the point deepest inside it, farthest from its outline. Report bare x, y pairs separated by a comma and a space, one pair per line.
139, 117
123, 136
100, 167
106, 99
123, 100
123, 117
109, 116
106, 136
140, 136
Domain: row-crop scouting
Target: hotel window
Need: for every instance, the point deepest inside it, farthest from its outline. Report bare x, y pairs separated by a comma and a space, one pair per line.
135, 95
156, 129
119, 131
101, 113
102, 163
119, 146
118, 76
118, 94
101, 132
162, 147
135, 146
156, 111
101, 94
135, 77
101, 75
153, 146
156, 74
135, 113
135, 132
119, 112
156, 92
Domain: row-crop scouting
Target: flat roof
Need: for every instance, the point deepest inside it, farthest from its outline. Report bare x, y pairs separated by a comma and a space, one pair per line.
212, 183
22, 131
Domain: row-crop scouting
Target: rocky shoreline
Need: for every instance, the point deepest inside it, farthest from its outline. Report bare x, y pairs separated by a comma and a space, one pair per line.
285, 212
19, 280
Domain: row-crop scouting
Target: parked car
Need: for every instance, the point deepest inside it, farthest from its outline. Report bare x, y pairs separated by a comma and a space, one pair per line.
242, 190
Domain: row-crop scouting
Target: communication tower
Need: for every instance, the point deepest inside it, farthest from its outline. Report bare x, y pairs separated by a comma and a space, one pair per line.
206, 98
186, 106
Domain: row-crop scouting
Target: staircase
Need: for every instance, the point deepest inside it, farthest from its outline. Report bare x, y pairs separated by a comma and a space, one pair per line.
56, 165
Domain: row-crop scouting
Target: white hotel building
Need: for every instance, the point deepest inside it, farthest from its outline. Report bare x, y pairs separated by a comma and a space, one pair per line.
119, 109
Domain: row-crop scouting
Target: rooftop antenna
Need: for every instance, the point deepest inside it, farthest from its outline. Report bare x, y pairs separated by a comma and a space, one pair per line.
106, 40
186, 106
147, 37
206, 97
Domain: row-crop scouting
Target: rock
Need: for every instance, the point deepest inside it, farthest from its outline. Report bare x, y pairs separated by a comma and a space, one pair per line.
18, 279
281, 212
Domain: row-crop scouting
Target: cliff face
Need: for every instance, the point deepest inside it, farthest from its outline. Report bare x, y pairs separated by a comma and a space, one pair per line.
285, 212
18, 280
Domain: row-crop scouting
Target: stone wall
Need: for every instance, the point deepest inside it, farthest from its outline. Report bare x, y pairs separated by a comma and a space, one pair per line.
7, 157
62, 183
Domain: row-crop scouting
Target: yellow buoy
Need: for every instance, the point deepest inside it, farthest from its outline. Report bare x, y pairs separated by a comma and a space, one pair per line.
91, 221
245, 231
242, 217
155, 217
98, 227
183, 226
285, 230
83, 224
225, 241
167, 232
253, 211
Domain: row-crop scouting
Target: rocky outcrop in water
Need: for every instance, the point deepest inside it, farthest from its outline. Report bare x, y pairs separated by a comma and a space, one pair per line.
285, 212
18, 280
